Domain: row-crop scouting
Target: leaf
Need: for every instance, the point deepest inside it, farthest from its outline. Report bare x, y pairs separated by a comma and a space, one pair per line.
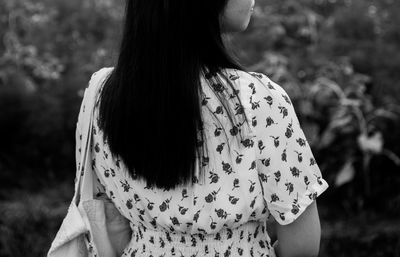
372, 144
346, 174
392, 156
338, 123
327, 138
380, 112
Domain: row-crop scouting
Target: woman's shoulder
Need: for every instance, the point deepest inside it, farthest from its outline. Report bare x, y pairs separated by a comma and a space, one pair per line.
100, 74
98, 77
249, 76
257, 84
95, 84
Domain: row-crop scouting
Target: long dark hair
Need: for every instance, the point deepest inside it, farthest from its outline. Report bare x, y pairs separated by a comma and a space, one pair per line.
150, 108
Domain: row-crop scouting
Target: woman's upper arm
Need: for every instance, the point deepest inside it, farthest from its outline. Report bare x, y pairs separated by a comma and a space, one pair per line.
302, 236
289, 174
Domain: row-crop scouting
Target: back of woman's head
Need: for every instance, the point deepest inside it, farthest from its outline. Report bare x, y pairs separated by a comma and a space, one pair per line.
150, 111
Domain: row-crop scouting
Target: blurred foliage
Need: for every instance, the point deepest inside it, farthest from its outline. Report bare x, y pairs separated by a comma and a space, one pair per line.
337, 59
48, 51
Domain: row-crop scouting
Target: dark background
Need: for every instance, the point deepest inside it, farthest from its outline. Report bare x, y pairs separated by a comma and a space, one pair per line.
338, 60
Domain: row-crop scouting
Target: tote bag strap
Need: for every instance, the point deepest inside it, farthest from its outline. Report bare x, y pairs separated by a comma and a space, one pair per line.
84, 182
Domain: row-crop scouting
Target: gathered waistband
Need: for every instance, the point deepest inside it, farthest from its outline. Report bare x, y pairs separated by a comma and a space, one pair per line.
249, 239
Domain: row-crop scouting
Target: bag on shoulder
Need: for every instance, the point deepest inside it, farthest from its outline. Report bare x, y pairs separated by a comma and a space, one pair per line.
83, 232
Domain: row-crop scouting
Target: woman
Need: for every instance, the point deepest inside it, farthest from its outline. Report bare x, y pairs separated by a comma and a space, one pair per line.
195, 152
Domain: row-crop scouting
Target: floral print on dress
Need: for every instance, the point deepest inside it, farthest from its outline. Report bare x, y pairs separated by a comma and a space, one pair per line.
291, 178
271, 171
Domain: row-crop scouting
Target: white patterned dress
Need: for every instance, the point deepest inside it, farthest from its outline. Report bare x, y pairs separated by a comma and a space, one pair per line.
272, 171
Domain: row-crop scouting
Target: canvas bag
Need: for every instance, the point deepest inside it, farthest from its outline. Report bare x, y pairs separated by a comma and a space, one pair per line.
83, 232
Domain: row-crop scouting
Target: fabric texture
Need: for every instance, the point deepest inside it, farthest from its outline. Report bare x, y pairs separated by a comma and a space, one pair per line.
271, 171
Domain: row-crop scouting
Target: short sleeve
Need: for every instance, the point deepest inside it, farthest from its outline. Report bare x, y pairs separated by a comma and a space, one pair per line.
289, 174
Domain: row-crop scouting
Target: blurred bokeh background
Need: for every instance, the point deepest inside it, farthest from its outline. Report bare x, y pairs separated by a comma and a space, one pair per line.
339, 61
